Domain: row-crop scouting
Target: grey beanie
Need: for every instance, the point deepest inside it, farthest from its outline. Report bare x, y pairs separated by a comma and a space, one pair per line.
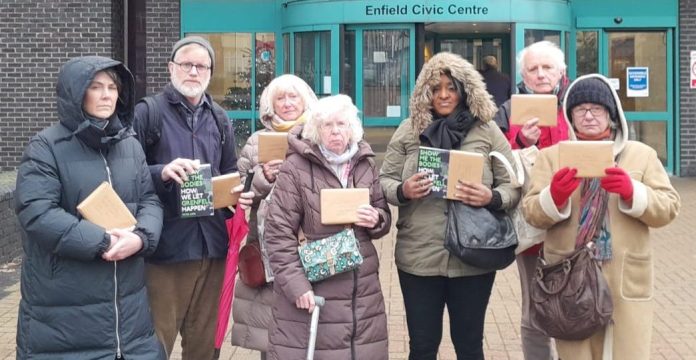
195, 40
591, 90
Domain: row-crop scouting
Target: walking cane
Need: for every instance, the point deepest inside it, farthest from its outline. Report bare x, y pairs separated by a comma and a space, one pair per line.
318, 302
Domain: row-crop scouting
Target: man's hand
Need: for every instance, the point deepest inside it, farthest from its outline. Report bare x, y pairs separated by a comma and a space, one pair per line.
473, 194
417, 186
271, 170
306, 301
530, 132
124, 243
179, 169
245, 199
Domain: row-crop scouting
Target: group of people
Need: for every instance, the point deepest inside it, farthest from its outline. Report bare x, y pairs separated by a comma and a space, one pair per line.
94, 293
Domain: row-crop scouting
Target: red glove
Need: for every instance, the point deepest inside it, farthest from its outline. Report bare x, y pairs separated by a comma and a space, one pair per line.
563, 184
617, 181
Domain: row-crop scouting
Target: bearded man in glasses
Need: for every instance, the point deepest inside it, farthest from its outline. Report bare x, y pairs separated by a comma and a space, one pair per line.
180, 128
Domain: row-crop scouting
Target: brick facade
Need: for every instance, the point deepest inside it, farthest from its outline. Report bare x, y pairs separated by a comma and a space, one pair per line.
163, 31
10, 237
687, 96
36, 38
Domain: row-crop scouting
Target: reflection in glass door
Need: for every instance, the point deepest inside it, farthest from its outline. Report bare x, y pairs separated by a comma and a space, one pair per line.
313, 59
650, 117
385, 60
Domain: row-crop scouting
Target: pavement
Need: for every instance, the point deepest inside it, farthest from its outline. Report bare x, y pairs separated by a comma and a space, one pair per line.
674, 335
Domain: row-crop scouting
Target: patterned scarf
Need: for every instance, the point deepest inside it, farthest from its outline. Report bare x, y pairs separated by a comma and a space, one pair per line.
594, 219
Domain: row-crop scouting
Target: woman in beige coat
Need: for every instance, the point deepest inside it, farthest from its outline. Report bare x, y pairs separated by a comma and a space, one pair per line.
284, 103
632, 197
450, 109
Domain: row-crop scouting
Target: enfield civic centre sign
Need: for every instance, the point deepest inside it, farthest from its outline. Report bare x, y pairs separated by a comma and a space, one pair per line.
419, 9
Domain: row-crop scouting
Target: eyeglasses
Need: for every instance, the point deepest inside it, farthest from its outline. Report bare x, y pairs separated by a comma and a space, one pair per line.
187, 66
594, 110
328, 126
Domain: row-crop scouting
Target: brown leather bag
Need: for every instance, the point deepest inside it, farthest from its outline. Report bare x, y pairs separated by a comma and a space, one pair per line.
250, 265
570, 300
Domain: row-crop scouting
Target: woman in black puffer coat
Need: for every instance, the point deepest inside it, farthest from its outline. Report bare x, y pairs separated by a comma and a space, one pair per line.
83, 287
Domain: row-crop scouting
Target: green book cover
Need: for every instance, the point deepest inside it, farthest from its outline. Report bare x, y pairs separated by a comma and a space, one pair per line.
434, 162
196, 194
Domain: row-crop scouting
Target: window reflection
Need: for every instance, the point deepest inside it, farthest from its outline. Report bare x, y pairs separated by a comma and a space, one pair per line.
265, 62
385, 72
652, 133
587, 50
531, 36
313, 60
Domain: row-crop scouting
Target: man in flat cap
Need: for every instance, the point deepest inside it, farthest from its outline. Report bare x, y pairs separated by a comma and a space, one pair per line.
180, 128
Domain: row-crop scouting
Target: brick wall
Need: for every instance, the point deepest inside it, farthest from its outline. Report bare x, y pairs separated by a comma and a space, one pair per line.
162, 32
687, 98
10, 241
36, 38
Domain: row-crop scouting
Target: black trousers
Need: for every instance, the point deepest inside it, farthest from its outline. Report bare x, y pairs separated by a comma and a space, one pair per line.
466, 298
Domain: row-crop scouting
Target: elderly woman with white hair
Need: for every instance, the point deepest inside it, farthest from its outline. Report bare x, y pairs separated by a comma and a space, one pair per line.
326, 153
284, 103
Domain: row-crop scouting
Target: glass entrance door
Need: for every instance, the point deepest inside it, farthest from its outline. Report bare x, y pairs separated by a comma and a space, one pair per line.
629, 57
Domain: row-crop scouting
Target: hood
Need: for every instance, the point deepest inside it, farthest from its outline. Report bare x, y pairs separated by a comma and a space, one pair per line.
73, 80
480, 102
622, 127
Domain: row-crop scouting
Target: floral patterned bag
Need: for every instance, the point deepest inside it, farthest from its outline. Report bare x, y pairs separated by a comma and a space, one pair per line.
326, 257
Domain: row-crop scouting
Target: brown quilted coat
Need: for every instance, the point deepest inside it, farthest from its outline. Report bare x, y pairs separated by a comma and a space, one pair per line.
353, 323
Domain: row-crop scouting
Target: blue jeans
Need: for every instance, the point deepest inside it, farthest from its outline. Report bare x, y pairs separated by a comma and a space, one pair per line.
466, 298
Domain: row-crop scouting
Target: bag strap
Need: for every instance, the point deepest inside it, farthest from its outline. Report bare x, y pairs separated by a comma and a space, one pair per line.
516, 176
152, 128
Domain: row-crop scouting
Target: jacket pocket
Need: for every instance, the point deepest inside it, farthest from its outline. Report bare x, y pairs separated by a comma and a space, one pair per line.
637, 277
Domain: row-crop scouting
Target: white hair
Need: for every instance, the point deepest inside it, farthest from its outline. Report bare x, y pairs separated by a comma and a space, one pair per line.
329, 107
281, 85
546, 47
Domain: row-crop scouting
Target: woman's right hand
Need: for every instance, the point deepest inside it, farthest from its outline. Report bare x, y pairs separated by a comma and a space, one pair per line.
417, 186
271, 170
563, 184
306, 301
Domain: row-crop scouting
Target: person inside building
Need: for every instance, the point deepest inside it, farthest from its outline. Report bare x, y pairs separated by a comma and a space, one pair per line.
327, 152
285, 103
497, 83
450, 109
634, 196
542, 67
83, 286
180, 128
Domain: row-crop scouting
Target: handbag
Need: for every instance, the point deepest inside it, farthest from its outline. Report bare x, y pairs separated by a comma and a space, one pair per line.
326, 257
250, 266
527, 235
570, 300
479, 237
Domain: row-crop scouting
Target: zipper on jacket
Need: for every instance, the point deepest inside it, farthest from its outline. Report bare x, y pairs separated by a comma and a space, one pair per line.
355, 320
118, 337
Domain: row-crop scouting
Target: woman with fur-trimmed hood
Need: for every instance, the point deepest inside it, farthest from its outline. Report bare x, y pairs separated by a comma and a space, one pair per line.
450, 109
617, 212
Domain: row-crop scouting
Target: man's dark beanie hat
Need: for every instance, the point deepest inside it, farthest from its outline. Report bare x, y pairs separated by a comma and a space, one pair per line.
195, 40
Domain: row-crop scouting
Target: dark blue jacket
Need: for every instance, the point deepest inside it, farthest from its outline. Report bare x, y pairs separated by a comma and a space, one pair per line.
498, 85
74, 304
192, 238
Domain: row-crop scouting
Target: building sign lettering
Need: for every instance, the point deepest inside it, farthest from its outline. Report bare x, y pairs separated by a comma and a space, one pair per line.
451, 9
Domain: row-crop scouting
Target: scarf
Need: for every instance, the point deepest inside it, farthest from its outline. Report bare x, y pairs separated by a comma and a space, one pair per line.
606, 135
340, 164
281, 125
448, 132
594, 219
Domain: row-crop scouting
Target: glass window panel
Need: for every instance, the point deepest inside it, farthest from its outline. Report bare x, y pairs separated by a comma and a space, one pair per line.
461, 47
648, 49
265, 62
348, 77
230, 84
242, 130
385, 71
531, 36
286, 53
652, 133
313, 59
587, 52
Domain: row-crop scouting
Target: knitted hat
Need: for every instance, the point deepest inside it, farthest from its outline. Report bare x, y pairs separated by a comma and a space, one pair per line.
591, 90
195, 40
